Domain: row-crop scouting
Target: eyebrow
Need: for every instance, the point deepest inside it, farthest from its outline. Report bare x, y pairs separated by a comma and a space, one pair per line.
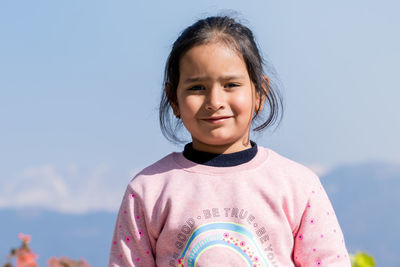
223, 78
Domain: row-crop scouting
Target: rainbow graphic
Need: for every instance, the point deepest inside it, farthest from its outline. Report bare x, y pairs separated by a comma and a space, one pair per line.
227, 235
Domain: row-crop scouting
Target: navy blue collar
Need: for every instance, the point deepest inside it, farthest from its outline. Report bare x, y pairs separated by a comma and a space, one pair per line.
220, 160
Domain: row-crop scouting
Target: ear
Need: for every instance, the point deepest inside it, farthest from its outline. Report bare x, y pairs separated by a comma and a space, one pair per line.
261, 97
172, 100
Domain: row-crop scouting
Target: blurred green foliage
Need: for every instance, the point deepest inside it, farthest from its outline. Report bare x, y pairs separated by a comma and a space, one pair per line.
362, 259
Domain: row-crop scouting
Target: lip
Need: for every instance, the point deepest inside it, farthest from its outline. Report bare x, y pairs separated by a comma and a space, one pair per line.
217, 119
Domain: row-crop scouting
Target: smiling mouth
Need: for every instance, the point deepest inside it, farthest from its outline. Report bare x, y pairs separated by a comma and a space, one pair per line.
216, 120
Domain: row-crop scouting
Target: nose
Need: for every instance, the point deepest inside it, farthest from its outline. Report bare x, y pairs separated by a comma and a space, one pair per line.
215, 99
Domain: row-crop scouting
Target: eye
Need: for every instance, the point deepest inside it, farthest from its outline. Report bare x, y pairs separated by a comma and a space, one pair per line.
196, 88
231, 85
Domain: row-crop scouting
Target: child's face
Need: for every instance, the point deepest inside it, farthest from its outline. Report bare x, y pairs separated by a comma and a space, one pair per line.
216, 99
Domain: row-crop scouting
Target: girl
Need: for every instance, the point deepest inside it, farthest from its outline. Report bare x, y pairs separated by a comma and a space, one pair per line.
223, 201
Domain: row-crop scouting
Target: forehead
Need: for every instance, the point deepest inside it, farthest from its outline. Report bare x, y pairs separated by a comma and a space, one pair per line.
212, 59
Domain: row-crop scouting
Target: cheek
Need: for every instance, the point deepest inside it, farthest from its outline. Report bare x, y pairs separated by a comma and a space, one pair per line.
243, 103
190, 104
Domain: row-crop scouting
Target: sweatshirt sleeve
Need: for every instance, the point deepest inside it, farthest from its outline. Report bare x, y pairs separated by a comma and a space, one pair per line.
318, 240
131, 242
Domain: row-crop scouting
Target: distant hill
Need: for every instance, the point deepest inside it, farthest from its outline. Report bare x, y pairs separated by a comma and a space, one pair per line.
366, 198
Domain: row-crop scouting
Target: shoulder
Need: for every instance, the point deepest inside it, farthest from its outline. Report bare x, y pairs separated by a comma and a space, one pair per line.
155, 175
160, 167
292, 171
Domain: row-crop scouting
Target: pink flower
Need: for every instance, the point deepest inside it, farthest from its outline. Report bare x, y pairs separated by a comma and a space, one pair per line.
64, 261
25, 238
26, 258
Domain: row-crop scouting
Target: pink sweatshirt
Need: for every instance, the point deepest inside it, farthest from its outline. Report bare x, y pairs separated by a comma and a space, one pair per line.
270, 211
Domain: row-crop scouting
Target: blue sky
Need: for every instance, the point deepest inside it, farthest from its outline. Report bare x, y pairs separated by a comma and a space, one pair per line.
80, 83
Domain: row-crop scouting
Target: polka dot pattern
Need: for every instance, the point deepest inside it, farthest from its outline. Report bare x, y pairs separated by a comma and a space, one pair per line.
129, 240
319, 231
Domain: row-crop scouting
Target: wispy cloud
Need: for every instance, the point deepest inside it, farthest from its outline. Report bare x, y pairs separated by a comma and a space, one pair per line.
70, 189
319, 169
